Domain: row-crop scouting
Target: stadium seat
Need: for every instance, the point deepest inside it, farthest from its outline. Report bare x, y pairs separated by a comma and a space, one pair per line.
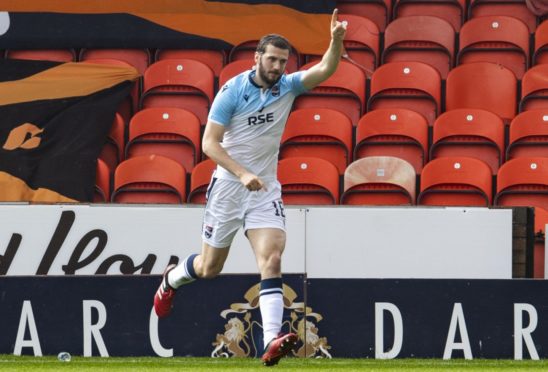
379, 11
246, 50
455, 181
452, 11
379, 180
215, 59
540, 48
343, 91
513, 8
424, 39
308, 181
181, 83
541, 219
199, 181
528, 135
482, 85
138, 58
57, 55
471, 133
396, 132
317, 132
523, 182
170, 132
498, 39
101, 193
112, 152
534, 89
234, 68
149, 179
361, 43
411, 85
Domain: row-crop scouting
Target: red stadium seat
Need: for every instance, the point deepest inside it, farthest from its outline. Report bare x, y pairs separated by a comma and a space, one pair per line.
317, 132
400, 133
181, 83
246, 50
379, 180
199, 181
57, 55
523, 182
455, 181
308, 181
343, 91
149, 179
101, 192
482, 85
452, 11
170, 132
138, 58
379, 11
512, 8
426, 39
234, 68
534, 89
411, 85
497, 39
528, 135
112, 152
215, 59
471, 133
540, 48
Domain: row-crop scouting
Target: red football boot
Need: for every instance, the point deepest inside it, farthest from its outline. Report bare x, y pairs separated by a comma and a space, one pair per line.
163, 299
278, 348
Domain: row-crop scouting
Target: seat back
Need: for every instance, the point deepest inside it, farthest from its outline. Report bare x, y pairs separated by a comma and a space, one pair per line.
458, 181
534, 89
317, 132
523, 182
57, 55
540, 47
396, 132
411, 85
170, 132
497, 39
379, 180
528, 135
215, 59
379, 11
482, 85
513, 8
234, 68
246, 51
199, 181
426, 39
452, 11
474, 133
101, 192
307, 181
149, 179
112, 152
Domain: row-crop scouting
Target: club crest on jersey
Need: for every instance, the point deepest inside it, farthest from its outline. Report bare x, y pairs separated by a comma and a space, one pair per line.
260, 119
275, 91
208, 231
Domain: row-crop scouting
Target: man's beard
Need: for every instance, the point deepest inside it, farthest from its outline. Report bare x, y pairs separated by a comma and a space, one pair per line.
264, 76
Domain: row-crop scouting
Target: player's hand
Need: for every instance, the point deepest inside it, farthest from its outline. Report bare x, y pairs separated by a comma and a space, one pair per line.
338, 29
252, 182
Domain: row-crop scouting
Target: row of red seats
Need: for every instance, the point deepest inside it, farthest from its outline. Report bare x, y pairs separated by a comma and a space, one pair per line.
373, 180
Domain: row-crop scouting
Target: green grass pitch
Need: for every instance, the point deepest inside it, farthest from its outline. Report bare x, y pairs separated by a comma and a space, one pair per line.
50, 363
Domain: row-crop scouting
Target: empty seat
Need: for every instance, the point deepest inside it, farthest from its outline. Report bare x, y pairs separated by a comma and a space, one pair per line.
396, 132
361, 43
513, 8
452, 11
343, 91
138, 58
540, 48
181, 83
523, 182
149, 179
234, 68
422, 39
112, 152
308, 181
317, 132
171, 132
215, 59
482, 85
246, 50
411, 85
101, 192
57, 55
498, 39
379, 11
199, 181
528, 135
455, 181
471, 133
534, 88
379, 180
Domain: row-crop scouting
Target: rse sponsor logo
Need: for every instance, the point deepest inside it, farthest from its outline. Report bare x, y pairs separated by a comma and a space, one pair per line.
260, 119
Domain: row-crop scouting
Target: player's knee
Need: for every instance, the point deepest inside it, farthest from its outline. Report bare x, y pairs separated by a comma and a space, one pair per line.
211, 271
274, 260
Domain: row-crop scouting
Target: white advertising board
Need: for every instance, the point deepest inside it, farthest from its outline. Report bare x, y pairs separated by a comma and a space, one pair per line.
338, 242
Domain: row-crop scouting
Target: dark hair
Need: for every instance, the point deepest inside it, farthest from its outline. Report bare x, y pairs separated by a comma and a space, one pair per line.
275, 40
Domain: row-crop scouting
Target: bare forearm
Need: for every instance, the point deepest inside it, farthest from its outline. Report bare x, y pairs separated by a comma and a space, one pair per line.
331, 57
219, 155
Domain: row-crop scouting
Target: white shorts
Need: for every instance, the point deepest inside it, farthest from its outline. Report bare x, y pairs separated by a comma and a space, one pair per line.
231, 206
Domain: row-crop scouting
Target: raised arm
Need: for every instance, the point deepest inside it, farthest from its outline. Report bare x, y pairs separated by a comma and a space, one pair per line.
330, 60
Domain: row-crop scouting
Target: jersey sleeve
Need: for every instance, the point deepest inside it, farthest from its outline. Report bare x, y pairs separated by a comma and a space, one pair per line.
295, 82
223, 105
